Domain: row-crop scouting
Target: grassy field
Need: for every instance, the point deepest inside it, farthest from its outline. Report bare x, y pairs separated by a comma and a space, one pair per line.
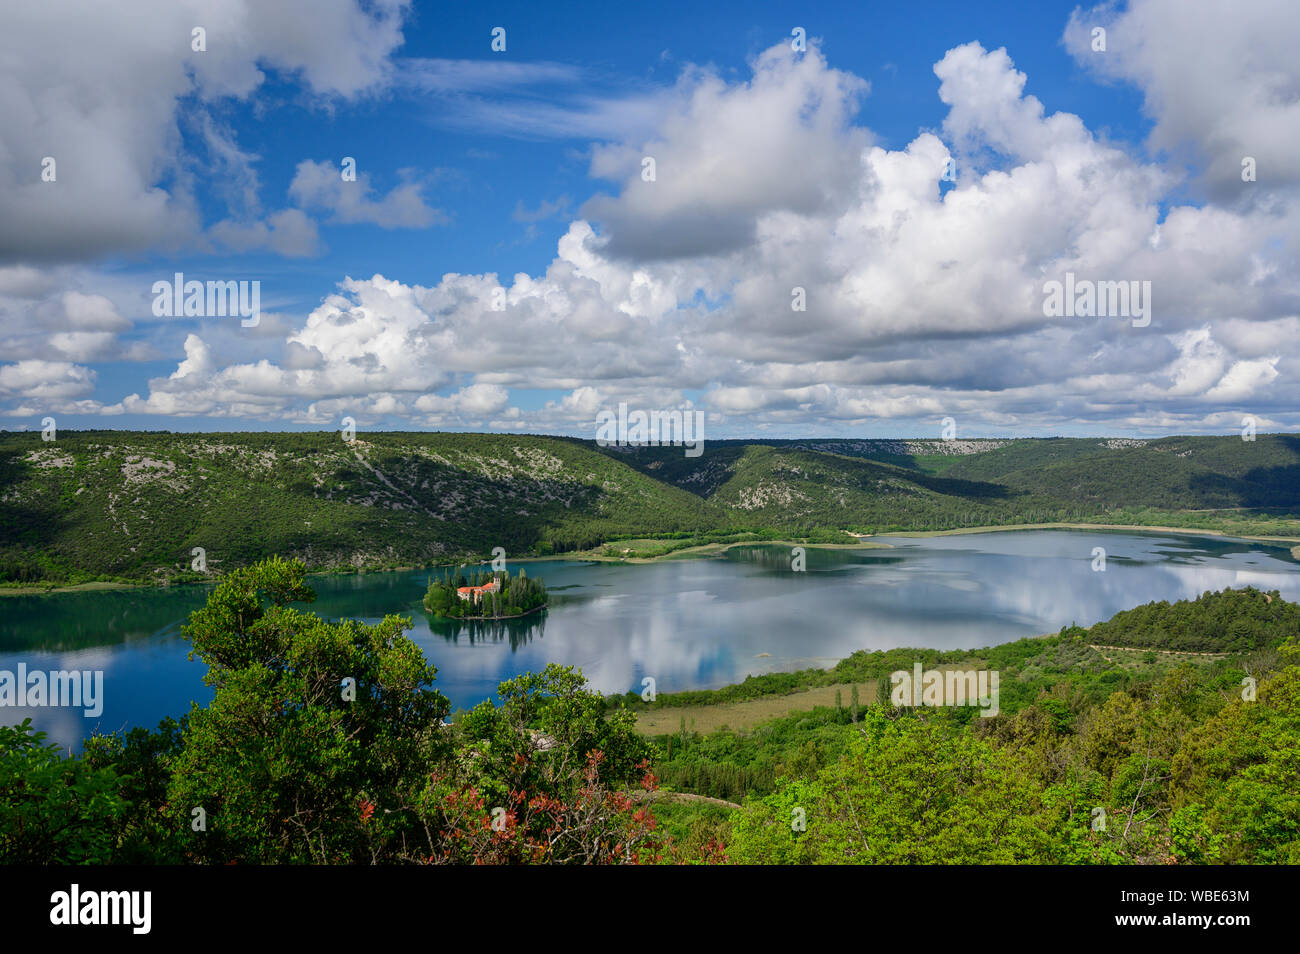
37, 590
746, 715
710, 717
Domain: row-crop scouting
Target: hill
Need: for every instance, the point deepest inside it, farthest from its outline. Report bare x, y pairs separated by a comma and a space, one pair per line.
133, 505
1232, 621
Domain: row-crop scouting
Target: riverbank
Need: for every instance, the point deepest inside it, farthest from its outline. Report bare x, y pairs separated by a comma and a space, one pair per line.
1125, 527
704, 551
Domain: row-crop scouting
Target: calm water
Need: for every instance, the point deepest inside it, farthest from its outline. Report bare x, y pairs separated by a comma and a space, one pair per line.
690, 624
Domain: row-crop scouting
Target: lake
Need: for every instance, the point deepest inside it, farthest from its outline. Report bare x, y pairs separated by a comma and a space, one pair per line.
689, 624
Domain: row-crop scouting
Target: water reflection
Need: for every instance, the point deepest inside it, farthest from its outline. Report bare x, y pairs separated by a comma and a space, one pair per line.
81, 620
688, 623
518, 633
780, 558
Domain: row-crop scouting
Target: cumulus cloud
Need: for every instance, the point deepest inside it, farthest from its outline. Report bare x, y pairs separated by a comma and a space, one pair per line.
320, 185
922, 301
40, 321
730, 154
475, 401
46, 381
1220, 83
99, 89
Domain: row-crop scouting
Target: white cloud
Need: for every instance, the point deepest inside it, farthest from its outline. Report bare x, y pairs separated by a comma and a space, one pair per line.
37, 321
46, 381
289, 232
320, 185
1220, 82
731, 153
922, 301
475, 401
99, 88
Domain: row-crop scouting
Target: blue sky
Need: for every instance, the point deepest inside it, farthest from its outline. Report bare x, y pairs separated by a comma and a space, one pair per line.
472, 163
483, 171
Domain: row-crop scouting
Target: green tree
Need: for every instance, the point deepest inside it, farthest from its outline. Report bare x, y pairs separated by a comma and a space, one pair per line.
142, 761
54, 810
319, 733
910, 790
1236, 778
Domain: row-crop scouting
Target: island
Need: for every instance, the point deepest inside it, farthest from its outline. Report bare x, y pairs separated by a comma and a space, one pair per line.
485, 595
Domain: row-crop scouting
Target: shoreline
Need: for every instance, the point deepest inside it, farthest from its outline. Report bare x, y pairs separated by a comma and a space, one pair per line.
1127, 527
704, 551
33, 589
487, 619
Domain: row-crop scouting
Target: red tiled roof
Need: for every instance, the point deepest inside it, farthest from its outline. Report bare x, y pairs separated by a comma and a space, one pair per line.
485, 588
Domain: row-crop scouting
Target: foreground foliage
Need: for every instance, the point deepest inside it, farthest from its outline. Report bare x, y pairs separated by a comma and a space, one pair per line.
326, 742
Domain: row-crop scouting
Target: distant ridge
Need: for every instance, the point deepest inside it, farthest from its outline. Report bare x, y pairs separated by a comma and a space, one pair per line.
133, 505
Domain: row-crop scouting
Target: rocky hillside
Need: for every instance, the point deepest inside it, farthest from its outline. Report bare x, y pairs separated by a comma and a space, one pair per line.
134, 505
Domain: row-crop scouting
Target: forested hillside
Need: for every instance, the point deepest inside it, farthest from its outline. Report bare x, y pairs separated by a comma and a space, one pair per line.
1121, 757
1232, 621
134, 505
1005, 476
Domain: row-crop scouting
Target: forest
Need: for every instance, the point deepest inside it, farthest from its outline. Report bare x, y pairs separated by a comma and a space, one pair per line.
1232, 621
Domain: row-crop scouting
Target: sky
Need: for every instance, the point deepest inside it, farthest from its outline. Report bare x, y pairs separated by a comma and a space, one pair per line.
800, 219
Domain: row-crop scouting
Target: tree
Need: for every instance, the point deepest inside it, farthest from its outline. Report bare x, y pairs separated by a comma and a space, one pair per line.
54, 810
311, 720
1236, 784
911, 790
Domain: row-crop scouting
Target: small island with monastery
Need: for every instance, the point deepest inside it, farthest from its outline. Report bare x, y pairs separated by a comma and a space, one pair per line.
486, 595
